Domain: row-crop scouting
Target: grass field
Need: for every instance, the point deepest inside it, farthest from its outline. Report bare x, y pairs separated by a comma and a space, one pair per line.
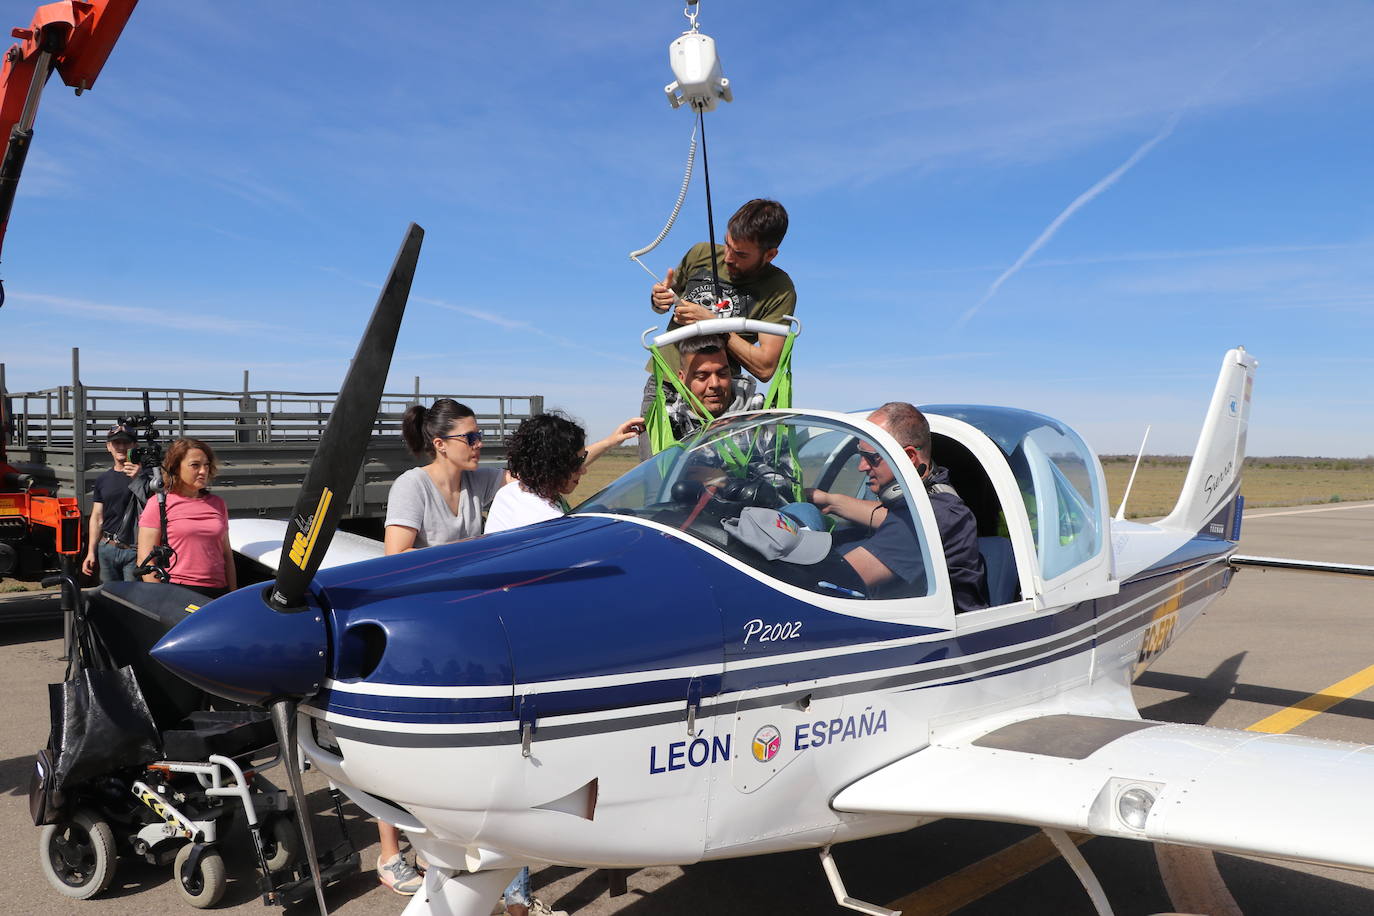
1266, 481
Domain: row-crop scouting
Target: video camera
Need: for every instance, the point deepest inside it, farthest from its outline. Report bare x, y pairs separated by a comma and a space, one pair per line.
147, 454
147, 450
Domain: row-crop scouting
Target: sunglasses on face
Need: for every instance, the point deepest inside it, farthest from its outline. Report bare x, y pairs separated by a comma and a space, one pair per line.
873, 458
473, 439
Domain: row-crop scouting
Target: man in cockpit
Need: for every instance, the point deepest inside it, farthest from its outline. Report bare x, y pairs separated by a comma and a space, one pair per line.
889, 560
705, 371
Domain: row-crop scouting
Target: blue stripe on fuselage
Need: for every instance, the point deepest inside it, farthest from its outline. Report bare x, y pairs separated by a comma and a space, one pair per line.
690, 600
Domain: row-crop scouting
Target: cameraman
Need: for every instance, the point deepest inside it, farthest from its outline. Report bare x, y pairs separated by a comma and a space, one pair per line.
114, 512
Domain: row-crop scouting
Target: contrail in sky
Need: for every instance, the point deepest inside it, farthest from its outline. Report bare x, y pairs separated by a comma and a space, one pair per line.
1111, 178
1103, 184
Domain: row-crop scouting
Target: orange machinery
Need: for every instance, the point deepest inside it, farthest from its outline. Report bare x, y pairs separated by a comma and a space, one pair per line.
34, 525
73, 38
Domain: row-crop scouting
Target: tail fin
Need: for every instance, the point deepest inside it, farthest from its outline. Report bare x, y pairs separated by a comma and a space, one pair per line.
1210, 502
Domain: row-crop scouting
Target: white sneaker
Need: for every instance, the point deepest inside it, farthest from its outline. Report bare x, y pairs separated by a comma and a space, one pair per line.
398, 875
537, 908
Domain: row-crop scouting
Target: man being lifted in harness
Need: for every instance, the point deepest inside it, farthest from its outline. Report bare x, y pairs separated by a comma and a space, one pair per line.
750, 286
705, 370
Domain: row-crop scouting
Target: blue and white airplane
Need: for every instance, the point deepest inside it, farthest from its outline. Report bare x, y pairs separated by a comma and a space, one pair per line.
632, 685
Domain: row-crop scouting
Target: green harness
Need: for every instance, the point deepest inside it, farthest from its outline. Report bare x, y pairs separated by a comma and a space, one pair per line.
658, 423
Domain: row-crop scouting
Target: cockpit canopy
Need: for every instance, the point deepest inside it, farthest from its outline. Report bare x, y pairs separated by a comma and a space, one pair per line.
1034, 487
766, 461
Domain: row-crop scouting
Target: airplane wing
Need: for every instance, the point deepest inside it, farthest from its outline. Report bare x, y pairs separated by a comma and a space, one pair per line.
1246, 792
260, 539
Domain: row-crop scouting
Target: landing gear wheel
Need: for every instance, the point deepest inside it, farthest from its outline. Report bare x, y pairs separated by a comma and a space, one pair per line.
281, 843
205, 887
78, 855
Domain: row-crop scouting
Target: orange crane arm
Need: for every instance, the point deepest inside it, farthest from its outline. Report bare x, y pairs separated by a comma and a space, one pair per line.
74, 38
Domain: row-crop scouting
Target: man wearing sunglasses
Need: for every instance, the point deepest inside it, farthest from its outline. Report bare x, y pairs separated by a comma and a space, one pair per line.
889, 560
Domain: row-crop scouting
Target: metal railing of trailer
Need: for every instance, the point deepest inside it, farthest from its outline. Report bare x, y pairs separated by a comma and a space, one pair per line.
263, 439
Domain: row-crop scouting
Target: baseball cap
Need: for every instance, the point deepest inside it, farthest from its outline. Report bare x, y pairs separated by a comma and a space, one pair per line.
121, 432
778, 536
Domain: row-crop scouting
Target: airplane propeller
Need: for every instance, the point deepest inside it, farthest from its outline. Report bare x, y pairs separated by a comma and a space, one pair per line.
294, 667
334, 469
340, 452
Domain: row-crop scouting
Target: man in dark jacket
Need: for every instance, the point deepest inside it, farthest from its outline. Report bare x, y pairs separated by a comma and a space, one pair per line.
889, 561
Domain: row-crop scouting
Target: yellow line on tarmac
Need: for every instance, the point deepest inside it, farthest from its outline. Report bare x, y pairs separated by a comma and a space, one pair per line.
976, 881
1285, 720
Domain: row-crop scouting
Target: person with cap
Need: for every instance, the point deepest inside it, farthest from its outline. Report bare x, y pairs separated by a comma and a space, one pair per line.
889, 561
111, 544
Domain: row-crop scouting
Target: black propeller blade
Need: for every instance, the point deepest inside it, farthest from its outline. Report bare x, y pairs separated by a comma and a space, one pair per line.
341, 449
317, 511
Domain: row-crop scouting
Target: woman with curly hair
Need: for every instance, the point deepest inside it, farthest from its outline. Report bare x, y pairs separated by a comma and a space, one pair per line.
547, 457
197, 522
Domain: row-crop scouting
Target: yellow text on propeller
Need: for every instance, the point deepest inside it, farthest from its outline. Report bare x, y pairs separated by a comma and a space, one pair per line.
304, 542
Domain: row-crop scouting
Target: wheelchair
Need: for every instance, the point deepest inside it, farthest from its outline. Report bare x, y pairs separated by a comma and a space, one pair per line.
174, 802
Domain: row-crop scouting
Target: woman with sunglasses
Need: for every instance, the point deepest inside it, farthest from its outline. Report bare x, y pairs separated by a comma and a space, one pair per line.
197, 522
547, 457
443, 501
439, 503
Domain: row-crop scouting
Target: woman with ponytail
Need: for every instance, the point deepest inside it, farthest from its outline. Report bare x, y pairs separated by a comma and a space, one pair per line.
443, 501
436, 504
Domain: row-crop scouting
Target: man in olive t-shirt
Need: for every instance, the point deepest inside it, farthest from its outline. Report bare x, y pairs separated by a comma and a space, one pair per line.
750, 287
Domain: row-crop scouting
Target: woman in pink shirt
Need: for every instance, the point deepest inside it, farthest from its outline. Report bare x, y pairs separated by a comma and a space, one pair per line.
197, 522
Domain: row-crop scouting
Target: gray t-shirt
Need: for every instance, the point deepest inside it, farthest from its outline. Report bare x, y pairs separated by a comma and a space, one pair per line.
416, 502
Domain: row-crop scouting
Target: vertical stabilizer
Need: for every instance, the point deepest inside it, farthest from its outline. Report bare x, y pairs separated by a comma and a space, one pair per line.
1210, 501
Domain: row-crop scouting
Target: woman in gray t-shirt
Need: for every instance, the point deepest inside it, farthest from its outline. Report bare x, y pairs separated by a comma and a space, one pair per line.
443, 501
436, 504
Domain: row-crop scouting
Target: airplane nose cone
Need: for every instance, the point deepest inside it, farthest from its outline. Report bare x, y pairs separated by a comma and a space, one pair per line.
239, 648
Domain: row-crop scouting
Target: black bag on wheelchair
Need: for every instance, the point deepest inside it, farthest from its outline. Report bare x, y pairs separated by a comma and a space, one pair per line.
100, 722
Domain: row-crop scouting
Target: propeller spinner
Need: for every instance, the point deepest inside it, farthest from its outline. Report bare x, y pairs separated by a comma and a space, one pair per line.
270, 647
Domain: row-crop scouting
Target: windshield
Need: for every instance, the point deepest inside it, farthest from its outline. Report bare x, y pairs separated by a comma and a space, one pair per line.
746, 486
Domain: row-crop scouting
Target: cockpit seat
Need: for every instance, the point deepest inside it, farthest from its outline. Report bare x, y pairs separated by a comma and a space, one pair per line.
999, 565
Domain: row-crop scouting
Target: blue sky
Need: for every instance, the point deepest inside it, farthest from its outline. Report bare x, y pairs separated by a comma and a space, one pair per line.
231, 193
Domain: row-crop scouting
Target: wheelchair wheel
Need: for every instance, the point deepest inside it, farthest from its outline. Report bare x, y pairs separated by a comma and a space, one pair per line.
281, 843
205, 887
78, 854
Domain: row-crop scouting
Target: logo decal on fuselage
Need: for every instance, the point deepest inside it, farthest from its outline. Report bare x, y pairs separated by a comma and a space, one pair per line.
767, 741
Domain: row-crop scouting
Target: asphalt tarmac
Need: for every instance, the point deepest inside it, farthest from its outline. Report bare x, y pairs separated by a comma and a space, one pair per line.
1272, 641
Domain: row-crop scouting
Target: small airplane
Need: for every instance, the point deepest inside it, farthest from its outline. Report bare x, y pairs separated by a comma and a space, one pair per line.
635, 685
